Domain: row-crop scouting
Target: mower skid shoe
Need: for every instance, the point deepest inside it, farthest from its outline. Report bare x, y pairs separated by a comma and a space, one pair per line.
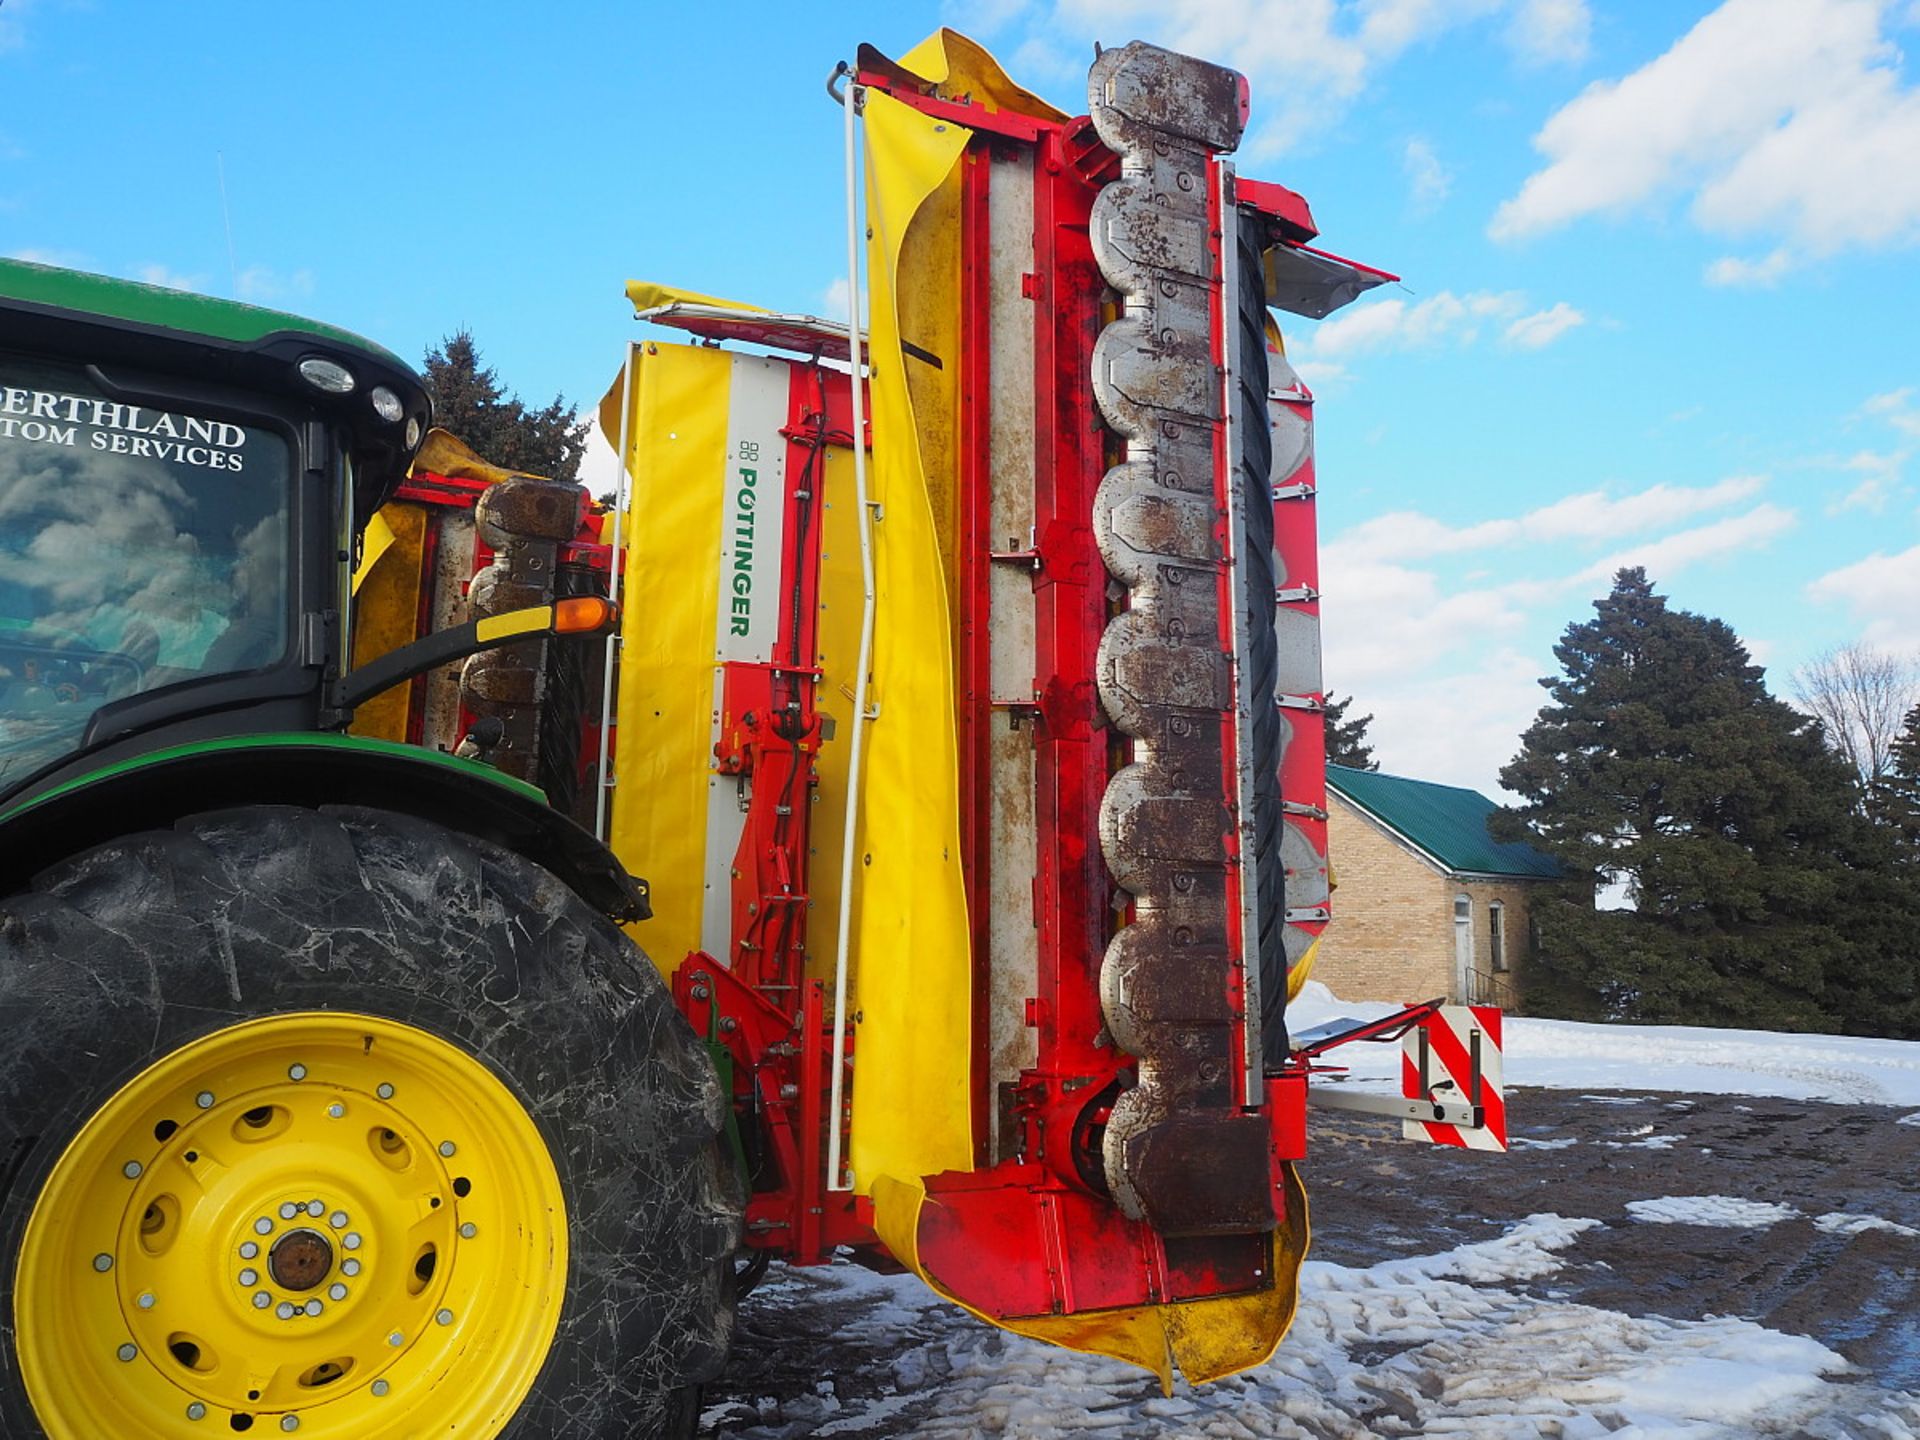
1179, 1152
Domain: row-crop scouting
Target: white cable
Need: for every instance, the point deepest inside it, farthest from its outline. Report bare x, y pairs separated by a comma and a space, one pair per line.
854, 95
620, 496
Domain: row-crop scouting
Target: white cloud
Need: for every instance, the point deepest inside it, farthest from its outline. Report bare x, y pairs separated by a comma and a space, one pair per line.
1897, 407
1320, 374
1383, 620
1781, 117
1592, 516
171, 279
1762, 274
1412, 643
833, 299
1427, 179
261, 285
1543, 32
1880, 477
1543, 327
1669, 555
13, 26
1398, 324
1309, 60
65, 259
1883, 592
1487, 704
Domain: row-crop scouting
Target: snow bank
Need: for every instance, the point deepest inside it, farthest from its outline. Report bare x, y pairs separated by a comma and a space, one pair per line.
1563, 1054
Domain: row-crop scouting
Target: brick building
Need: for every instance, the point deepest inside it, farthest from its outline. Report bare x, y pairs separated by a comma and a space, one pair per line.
1429, 903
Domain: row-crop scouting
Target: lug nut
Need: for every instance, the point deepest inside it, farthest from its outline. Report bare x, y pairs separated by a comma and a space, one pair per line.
196, 1411
261, 1299
249, 1251
289, 1210
380, 1387
204, 1099
385, 1092
314, 1307
338, 1219
316, 1208
447, 1148
336, 1110
146, 1300
103, 1263
127, 1352
131, 1169
444, 1317
351, 1240
469, 1230
289, 1422
296, 1072
285, 1310
263, 1226
350, 1268
396, 1339
336, 1291
249, 1277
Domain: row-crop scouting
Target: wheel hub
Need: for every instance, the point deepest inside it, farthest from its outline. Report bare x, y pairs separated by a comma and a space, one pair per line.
301, 1259
298, 1219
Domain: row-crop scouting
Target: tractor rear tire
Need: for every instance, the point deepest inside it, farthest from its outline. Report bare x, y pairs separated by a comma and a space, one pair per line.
522, 1125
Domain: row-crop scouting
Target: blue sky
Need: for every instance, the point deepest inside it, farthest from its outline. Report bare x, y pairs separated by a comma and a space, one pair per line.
1662, 260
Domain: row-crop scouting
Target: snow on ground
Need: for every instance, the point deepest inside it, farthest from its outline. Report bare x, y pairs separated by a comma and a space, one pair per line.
1841, 1223
1434, 1345
1723, 1210
1564, 1054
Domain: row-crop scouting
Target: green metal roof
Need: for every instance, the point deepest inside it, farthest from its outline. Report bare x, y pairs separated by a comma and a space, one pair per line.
1447, 822
164, 309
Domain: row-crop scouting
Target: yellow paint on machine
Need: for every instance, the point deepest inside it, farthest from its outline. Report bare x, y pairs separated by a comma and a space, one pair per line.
386, 605
912, 1095
514, 622
663, 751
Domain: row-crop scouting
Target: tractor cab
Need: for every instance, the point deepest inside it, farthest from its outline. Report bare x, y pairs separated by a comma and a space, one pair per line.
180, 479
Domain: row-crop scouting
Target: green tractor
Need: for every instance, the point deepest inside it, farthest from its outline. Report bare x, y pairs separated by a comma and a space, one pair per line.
332, 1093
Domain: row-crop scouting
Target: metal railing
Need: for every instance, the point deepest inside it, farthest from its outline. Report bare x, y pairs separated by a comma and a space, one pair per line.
1491, 987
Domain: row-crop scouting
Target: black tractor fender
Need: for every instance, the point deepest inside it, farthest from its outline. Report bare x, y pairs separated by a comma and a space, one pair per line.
154, 790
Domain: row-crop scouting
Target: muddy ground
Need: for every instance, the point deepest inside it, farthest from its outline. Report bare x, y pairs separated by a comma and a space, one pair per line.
1375, 1197
816, 1359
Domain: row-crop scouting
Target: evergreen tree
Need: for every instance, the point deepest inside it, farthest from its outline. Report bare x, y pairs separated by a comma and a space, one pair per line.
1347, 739
1663, 764
469, 401
1896, 795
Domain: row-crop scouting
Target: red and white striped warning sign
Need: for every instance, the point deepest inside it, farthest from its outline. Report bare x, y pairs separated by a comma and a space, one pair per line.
1453, 1058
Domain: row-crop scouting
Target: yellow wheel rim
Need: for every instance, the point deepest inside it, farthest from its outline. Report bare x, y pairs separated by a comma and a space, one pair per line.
325, 1223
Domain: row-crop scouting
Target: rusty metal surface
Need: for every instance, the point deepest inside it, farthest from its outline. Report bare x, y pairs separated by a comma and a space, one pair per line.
1013, 937
1178, 1151
523, 520
452, 570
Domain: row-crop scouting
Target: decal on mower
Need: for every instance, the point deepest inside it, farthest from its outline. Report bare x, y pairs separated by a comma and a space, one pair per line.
1452, 1058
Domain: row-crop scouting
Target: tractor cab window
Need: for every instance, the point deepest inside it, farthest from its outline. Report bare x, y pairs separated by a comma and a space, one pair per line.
139, 547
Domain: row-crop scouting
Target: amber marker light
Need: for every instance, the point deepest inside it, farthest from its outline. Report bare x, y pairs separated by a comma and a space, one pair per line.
583, 615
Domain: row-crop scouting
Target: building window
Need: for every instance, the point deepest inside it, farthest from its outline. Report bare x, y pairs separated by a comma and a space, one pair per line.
1497, 935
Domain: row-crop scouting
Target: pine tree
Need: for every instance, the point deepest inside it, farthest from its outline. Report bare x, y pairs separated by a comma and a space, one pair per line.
469, 401
1347, 739
1896, 795
1663, 764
